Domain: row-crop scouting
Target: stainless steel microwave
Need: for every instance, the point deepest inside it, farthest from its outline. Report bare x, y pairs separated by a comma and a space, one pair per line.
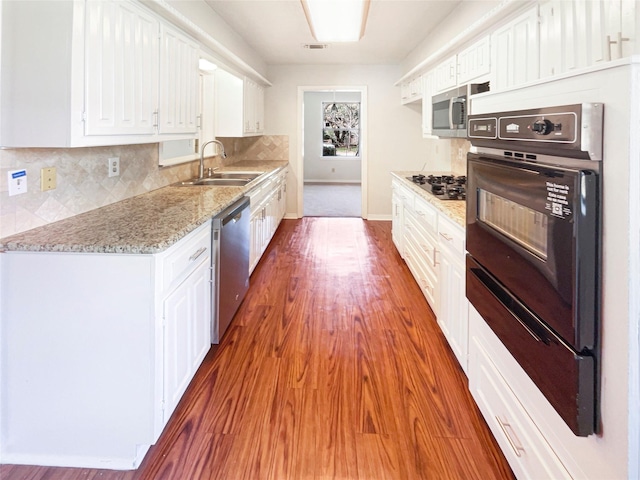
450, 109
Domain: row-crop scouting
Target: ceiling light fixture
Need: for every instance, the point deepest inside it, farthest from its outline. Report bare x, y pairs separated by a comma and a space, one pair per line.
336, 20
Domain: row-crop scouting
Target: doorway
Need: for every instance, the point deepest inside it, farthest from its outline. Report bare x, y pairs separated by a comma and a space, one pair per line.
332, 160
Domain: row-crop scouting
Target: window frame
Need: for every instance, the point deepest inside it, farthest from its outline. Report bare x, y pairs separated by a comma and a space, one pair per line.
357, 130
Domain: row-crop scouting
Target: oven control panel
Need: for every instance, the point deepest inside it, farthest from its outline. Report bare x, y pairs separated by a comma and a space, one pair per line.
573, 129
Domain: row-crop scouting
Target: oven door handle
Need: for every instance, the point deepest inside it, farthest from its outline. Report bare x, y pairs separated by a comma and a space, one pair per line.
510, 303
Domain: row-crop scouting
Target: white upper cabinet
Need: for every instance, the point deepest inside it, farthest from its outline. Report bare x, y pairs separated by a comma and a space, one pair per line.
253, 107
239, 106
514, 49
94, 73
427, 108
411, 91
446, 74
474, 62
121, 69
179, 77
583, 33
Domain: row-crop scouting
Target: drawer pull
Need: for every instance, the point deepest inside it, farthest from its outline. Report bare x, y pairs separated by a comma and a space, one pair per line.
448, 238
197, 253
516, 448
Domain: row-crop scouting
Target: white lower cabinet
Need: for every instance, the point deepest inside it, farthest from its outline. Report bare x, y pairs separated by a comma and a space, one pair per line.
186, 336
268, 206
524, 446
433, 247
453, 311
92, 370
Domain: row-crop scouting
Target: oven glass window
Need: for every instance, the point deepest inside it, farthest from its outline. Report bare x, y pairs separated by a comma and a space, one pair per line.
521, 224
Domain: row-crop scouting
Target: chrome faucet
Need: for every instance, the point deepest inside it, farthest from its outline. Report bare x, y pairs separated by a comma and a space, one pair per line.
222, 154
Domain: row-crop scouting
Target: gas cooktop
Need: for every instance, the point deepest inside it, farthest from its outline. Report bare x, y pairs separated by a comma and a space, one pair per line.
444, 187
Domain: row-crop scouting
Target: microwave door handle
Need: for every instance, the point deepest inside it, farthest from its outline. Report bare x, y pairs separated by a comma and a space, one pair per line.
451, 102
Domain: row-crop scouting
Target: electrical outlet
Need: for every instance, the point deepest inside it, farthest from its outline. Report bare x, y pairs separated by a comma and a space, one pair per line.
114, 166
48, 179
17, 181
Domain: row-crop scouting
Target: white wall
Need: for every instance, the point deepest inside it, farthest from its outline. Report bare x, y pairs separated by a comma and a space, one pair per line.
394, 131
204, 17
466, 14
316, 167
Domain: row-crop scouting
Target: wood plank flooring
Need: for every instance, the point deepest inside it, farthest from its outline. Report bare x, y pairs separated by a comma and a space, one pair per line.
334, 368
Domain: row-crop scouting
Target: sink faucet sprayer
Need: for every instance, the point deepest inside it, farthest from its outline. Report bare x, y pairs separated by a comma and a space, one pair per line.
222, 154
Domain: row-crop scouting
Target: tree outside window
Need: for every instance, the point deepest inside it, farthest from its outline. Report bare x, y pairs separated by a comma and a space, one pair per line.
341, 132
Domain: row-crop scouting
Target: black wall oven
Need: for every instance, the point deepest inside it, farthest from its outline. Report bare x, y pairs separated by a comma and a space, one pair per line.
533, 241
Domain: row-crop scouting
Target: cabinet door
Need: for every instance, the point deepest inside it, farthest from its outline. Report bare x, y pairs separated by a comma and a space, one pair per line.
427, 108
179, 76
255, 225
397, 232
259, 109
121, 69
446, 74
582, 33
253, 107
453, 314
250, 98
514, 49
187, 333
475, 61
177, 364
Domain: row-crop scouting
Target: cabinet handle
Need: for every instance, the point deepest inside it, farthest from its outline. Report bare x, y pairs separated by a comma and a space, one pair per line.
516, 448
618, 41
435, 261
155, 119
448, 238
197, 253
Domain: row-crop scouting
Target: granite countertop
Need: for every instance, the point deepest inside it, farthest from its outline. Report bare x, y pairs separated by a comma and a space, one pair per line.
456, 210
145, 224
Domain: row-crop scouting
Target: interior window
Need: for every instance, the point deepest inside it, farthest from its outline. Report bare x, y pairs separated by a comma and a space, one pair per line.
341, 132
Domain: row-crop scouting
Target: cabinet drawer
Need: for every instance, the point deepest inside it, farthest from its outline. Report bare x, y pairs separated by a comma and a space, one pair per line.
404, 193
427, 215
422, 270
186, 255
527, 451
424, 243
451, 237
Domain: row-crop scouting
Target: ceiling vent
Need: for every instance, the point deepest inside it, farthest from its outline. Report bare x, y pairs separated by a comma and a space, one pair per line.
316, 46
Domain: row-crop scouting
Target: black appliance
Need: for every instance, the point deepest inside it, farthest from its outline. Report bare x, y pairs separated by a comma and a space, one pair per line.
444, 187
449, 110
533, 241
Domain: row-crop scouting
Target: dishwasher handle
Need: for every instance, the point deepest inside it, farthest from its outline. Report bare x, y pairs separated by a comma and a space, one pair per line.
232, 213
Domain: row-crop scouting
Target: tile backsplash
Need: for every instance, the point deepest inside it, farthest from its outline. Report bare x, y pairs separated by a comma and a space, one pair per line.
83, 183
459, 149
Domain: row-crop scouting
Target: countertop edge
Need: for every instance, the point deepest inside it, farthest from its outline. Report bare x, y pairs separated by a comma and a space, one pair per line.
455, 210
51, 238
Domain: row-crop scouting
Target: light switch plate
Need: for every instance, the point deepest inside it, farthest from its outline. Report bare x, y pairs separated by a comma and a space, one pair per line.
17, 181
48, 179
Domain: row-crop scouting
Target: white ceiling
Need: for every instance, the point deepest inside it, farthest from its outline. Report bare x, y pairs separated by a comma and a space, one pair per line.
277, 30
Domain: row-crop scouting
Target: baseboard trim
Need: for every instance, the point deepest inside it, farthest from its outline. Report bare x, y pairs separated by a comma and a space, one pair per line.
379, 218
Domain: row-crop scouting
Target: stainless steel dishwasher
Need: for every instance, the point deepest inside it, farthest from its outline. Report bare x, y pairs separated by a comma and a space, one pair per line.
231, 281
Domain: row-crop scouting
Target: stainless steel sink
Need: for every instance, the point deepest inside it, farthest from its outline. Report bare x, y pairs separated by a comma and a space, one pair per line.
249, 175
222, 179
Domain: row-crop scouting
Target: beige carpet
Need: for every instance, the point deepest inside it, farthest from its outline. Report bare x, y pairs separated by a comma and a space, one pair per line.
332, 200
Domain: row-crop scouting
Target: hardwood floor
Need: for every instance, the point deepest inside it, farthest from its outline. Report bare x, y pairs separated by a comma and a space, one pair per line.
334, 367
